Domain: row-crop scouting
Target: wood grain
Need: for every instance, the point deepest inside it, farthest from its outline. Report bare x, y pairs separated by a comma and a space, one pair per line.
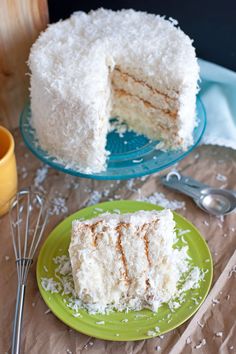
21, 21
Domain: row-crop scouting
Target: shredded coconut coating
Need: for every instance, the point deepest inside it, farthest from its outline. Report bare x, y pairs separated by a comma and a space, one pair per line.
126, 261
71, 64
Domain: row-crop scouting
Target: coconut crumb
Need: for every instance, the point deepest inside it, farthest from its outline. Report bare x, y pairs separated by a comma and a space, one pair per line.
76, 315
41, 174
49, 284
215, 301
160, 199
161, 146
233, 270
24, 172
219, 334
58, 206
45, 269
200, 324
188, 340
94, 198
137, 160
201, 344
100, 322
221, 178
98, 209
183, 232
158, 348
129, 185
119, 127
151, 333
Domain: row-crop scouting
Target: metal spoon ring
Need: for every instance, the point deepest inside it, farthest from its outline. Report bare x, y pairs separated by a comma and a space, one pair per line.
173, 174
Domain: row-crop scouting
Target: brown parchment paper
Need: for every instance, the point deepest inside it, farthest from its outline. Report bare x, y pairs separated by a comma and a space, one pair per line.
212, 329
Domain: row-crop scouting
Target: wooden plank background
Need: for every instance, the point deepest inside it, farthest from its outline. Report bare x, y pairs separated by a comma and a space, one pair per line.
21, 21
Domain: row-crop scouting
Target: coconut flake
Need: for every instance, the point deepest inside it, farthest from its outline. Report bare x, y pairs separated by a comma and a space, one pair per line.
94, 198
49, 284
221, 178
201, 344
233, 270
58, 206
41, 175
219, 334
151, 333
188, 340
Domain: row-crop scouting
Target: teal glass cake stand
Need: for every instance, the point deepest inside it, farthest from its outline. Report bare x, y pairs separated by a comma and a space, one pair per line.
131, 155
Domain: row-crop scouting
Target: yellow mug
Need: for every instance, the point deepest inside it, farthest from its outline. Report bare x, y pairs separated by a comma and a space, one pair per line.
8, 172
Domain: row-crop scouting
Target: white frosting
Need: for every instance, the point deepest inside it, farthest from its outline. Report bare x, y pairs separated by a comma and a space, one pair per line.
142, 273
70, 83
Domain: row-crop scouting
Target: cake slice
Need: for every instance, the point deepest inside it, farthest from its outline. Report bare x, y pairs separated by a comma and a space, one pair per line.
124, 261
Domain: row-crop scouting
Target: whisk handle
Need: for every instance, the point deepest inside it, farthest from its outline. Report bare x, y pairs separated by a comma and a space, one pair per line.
18, 319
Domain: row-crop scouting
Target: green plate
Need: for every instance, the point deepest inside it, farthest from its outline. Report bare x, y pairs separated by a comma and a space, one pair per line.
139, 322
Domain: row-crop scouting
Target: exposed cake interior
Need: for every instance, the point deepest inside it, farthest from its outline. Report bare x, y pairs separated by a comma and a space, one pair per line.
125, 261
147, 109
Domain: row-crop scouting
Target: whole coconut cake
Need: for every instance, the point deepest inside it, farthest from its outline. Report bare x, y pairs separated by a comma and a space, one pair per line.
132, 65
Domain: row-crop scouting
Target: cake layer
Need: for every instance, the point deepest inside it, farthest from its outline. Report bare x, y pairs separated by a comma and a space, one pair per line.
124, 261
159, 123
157, 96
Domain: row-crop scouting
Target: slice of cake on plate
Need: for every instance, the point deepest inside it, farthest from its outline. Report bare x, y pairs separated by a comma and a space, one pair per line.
125, 261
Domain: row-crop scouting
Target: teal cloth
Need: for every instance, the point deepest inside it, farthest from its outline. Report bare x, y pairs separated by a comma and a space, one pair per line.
218, 93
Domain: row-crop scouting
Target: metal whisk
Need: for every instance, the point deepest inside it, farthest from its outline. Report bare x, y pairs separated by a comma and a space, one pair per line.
27, 229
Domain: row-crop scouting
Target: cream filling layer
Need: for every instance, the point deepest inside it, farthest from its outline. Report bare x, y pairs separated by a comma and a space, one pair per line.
145, 119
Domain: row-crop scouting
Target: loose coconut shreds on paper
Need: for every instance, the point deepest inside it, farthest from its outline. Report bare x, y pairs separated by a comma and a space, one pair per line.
58, 206
221, 177
160, 199
94, 198
41, 174
190, 277
201, 344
